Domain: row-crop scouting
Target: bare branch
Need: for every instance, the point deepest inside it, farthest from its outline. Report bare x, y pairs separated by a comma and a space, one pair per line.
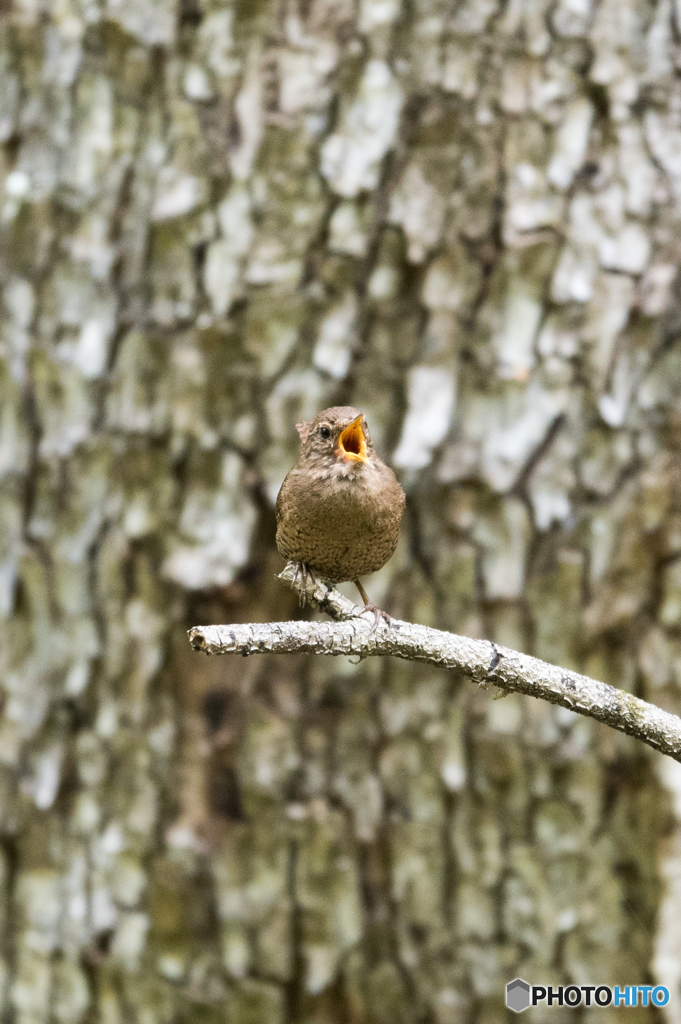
353, 632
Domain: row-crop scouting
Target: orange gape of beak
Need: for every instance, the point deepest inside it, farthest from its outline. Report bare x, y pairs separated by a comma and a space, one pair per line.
352, 443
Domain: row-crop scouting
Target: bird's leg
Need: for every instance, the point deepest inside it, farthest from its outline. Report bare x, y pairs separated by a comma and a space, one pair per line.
295, 574
370, 607
303, 571
300, 570
302, 593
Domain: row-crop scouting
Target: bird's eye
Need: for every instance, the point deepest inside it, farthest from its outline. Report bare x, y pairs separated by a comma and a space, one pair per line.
325, 432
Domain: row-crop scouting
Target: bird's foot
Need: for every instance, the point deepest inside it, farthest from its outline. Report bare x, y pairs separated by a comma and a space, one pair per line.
369, 606
378, 613
304, 571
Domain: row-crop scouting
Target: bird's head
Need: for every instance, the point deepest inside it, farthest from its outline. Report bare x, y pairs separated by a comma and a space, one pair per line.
337, 440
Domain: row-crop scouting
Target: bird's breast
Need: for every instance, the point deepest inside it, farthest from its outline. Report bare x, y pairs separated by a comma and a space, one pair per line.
342, 527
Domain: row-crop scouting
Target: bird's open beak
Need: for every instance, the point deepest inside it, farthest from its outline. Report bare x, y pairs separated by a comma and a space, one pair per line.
351, 442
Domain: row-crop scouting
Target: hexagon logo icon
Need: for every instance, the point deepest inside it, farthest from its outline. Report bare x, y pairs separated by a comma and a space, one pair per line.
517, 995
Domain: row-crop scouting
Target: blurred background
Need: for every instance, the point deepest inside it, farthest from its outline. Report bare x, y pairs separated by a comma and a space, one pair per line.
218, 217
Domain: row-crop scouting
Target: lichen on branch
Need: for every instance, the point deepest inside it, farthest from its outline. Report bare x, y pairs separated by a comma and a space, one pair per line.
354, 632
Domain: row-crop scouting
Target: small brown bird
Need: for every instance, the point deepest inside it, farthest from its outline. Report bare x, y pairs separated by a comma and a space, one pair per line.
339, 509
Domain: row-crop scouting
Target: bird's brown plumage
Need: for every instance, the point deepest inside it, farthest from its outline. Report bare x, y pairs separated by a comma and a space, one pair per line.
339, 508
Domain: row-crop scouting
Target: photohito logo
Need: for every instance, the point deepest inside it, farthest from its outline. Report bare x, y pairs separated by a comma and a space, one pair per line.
517, 995
520, 995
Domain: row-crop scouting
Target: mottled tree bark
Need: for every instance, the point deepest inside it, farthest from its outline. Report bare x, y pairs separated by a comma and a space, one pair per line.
217, 218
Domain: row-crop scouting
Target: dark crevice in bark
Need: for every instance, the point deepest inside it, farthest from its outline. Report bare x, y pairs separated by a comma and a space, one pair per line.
10, 938
295, 987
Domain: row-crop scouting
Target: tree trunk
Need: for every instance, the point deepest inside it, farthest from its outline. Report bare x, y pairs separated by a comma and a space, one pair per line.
217, 219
